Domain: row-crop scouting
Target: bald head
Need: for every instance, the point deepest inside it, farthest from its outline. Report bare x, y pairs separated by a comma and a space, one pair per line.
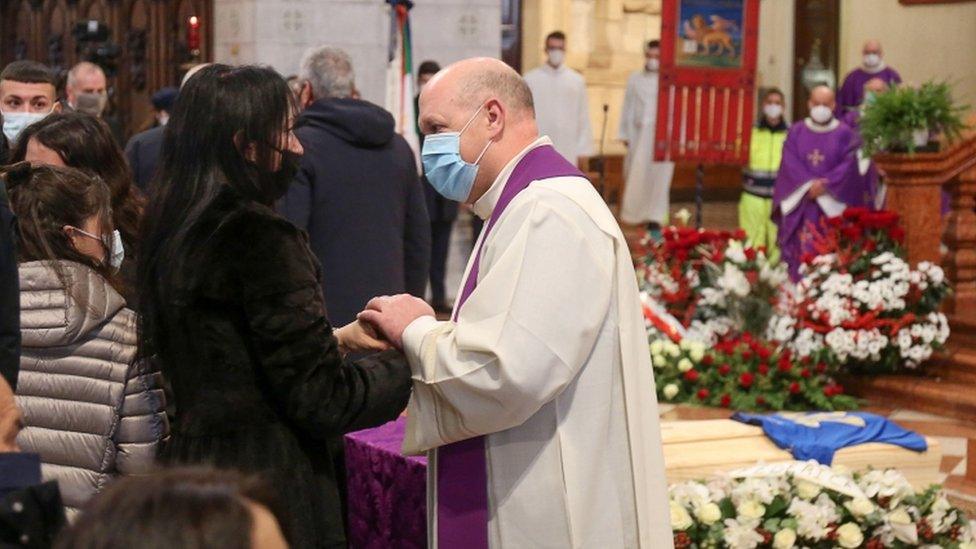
490, 104
471, 82
87, 79
872, 55
821, 104
85, 74
193, 70
822, 95
876, 86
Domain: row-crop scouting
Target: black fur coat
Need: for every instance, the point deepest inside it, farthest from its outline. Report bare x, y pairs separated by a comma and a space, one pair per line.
257, 376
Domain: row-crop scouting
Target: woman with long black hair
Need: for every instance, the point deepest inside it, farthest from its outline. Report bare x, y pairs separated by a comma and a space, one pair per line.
232, 307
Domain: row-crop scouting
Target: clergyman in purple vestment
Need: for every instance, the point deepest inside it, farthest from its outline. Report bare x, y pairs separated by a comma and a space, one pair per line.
852, 118
852, 90
818, 178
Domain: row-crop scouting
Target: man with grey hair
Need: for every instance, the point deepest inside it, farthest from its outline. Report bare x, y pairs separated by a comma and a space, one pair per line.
325, 72
87, 89
357, 193
533, 401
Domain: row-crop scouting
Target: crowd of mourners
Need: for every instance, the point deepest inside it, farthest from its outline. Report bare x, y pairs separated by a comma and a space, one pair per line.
170, 376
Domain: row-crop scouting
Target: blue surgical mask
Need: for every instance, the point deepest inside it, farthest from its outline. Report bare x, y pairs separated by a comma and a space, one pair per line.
446, 171
15, 122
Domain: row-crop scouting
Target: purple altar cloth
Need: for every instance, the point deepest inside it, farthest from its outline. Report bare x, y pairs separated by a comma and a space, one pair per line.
387, 490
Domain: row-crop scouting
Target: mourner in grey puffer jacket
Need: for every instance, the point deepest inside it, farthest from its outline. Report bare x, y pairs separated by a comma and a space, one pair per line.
90, 410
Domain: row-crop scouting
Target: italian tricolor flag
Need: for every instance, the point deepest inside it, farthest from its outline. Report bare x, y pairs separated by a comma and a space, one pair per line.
399, 75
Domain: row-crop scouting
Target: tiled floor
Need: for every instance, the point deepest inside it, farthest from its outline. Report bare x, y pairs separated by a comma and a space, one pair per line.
952, 434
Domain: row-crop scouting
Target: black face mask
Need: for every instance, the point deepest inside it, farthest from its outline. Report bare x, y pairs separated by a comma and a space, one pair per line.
274, 184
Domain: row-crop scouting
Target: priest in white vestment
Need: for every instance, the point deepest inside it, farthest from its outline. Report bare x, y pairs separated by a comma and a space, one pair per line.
545, 365
648, 183
562, 107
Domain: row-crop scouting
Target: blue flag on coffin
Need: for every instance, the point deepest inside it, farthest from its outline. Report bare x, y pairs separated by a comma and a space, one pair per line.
818, 435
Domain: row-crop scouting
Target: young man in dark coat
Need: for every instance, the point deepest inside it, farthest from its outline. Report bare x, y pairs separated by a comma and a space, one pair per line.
358, 192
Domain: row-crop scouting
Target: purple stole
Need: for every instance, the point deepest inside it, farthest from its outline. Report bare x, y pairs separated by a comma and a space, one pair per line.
462, 472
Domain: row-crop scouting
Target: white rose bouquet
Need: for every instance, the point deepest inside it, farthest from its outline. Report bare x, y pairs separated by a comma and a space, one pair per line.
829, 508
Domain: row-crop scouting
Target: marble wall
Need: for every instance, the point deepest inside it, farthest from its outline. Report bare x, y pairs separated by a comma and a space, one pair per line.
277, 32
923, 42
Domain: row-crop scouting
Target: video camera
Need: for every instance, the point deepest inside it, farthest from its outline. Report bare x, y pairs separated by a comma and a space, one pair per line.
94, 44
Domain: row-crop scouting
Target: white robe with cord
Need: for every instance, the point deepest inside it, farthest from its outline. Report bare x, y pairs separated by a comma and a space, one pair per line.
648, 184
562, 109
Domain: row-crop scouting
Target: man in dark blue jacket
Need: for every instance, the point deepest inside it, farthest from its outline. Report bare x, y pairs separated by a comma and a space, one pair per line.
144, 148
358, 192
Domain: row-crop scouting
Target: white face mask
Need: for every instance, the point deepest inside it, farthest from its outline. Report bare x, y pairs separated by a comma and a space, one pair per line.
872, 60
653, 64
556, 57
116, 252
15, 122
821, 114
772, 110
163, 119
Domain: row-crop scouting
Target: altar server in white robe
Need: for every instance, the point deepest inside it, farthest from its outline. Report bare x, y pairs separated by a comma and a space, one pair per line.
544, 369
648, 183
562, 108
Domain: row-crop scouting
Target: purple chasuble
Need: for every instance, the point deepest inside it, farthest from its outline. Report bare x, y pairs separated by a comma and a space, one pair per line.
462, 472
808, 154
852, 118
852, 91
872, 179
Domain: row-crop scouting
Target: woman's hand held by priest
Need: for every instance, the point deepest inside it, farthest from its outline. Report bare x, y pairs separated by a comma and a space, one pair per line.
359, 336
390, 315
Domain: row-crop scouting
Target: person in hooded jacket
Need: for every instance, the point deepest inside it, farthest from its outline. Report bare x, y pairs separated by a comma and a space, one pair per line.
358, 193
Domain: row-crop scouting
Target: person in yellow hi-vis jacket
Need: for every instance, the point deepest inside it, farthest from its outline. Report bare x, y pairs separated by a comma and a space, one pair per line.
765, 152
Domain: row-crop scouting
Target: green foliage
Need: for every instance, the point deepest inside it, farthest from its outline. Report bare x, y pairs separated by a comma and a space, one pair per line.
889, 120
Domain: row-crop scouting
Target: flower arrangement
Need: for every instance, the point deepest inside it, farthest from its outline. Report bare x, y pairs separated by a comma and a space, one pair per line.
742, 374
859, 306
713, 282
810, 505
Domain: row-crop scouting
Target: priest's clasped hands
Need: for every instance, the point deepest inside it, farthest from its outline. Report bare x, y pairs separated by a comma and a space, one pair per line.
380, 326
819, 187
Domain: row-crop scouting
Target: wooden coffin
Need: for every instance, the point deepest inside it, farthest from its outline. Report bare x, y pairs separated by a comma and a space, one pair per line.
698, 449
